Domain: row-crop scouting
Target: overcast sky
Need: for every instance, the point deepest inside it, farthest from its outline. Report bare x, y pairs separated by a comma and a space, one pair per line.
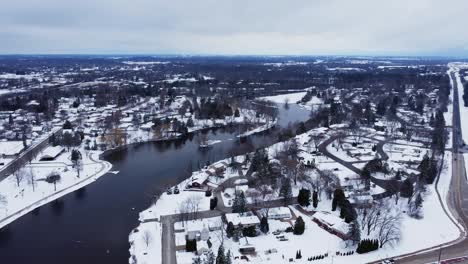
302, 27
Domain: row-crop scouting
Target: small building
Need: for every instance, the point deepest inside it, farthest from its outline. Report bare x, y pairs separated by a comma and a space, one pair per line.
247, 219
277, 213
197, 180
361, 200
51, 153
247, 249
11, 149
205, 234
146, 126
217, 170
332, 224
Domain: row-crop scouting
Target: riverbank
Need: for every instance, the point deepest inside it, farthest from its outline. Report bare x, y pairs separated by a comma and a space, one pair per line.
25, 198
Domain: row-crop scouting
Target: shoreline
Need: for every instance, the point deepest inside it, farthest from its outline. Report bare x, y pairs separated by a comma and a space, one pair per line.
106, 167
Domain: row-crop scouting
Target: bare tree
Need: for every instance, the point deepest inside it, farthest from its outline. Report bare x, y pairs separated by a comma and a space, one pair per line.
392, 126
389, 229
370, 217
78, 167
147, 238
300, 172
221, 233
184, 209
357, 134
315, 138
19, 175
195, 205
31, 179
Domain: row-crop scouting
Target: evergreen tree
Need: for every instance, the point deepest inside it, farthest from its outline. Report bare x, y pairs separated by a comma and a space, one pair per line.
197, 260
303, 197
67, 125
338, 198
264, 226
406, 189
299, 226
230, 230
228, 257
285, 190
213, 203
239, 204
347, 212
210, 259
191, 245
428, 169
315, 199
221, 258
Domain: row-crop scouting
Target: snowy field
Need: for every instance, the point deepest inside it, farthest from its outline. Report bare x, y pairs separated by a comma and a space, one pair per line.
291, 98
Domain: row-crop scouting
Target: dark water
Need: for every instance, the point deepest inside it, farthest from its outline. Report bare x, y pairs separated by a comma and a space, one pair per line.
92, 225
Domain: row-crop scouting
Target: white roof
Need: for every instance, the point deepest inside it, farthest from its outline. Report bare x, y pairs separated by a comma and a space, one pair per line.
279, 211
37, 128
147, 125
52, 152
245, 219
198, 177
242, 188
11, 147
199, 225
332, 221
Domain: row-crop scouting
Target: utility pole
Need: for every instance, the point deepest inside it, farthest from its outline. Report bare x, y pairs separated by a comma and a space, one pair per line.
440, 254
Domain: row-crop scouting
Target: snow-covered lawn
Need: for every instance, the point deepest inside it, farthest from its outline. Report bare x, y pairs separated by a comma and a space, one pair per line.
150, 252
28, 196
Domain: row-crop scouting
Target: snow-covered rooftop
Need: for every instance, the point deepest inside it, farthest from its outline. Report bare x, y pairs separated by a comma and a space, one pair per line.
245, 219
9, 148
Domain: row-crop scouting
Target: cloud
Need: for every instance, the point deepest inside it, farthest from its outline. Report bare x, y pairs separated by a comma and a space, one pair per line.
234, 27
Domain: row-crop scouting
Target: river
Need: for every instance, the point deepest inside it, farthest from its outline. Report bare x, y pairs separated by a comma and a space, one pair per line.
92, 225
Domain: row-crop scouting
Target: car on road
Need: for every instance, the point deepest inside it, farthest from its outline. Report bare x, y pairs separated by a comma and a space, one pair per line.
388, 261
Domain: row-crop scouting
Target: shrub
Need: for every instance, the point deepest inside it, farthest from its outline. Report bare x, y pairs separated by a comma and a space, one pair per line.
299, 226
367, 245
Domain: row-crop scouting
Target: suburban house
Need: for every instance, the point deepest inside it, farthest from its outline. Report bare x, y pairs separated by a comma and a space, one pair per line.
277, 213
197, 180
11, 149
51, 153
247, 249
216, 169
361, 200
332, 224
247, 219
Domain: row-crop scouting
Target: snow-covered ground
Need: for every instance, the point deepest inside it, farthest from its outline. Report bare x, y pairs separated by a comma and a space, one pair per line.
30, 194
316, 241
149, 248
291, 98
